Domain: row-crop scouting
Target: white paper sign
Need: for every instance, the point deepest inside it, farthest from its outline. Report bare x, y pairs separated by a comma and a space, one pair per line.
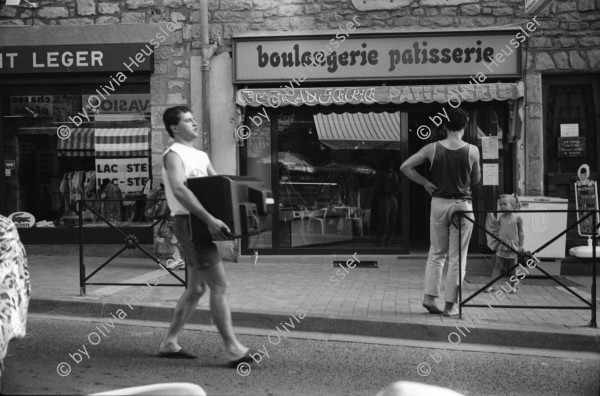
130, 174
489, 146
490, 174
569, 130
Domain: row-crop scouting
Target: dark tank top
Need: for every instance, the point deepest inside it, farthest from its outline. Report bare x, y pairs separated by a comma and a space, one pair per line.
451, 172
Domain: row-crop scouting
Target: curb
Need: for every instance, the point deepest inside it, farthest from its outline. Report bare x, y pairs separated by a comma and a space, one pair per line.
578, 339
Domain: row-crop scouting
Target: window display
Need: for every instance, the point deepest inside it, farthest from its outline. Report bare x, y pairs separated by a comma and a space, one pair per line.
63, 152
334, 185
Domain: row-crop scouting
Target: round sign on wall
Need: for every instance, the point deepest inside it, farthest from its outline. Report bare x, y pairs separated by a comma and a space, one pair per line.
22, 219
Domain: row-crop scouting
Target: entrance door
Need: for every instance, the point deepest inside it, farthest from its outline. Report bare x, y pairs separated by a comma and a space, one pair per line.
487, 120
573, 100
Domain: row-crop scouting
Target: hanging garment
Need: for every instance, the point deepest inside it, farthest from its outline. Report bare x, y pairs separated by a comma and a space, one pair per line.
111, 210
73, 192
89, 184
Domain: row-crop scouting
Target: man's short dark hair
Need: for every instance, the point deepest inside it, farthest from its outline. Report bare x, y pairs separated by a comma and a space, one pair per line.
457, 119
172, 116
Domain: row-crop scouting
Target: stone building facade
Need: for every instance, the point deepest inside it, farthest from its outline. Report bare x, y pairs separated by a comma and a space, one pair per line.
566, 43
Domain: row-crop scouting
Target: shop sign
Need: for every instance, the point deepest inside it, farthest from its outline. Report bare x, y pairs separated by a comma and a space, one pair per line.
368, 95
22, 219
586, 197
129, 174
395, 56
31, 105
137, 103
571, 147
70, 58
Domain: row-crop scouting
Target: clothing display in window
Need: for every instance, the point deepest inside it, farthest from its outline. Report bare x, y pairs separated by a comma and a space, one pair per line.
111, 209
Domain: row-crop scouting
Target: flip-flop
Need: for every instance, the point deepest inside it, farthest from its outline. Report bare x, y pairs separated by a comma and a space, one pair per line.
433, 309
180, 354
247, 358
451, 315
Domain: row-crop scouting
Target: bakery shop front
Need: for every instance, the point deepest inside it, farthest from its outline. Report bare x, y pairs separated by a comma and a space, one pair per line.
326, 123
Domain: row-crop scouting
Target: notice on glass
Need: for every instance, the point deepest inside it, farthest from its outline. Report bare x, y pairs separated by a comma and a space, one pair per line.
569, 130
489, 146
490, 174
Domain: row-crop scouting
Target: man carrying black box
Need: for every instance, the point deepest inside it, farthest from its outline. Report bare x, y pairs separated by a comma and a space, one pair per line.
205, 267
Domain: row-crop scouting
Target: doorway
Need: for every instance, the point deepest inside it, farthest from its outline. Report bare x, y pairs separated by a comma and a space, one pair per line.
570, 102
486, 120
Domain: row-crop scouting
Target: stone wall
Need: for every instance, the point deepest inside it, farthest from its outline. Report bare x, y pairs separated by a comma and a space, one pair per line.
568, 39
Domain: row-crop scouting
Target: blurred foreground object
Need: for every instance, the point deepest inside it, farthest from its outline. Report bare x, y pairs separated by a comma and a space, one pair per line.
15, 287
173, 388
406, 388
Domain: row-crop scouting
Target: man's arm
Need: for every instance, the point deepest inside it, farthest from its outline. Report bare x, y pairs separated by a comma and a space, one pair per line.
176, 175
476, 167
211, 170
408, 167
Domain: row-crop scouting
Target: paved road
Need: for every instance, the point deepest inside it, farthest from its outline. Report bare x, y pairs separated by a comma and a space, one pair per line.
125, 356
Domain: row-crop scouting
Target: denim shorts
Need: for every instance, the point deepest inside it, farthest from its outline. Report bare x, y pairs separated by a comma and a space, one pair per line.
198, 254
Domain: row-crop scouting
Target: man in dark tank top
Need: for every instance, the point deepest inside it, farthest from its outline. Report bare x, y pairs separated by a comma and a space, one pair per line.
454, 166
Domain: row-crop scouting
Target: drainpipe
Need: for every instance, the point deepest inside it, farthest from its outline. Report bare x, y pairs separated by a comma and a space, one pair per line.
205, 75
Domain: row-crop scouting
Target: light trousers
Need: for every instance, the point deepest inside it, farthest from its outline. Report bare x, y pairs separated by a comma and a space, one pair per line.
445, 242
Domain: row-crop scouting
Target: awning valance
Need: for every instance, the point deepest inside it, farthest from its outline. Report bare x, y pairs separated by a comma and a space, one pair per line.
122, 142
79, 144
359, 130
276, 97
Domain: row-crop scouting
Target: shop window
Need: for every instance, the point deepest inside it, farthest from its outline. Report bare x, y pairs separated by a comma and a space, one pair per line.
103, 153
334, 177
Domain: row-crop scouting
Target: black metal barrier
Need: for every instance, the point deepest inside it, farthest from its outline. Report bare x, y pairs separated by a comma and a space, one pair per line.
591, 305
131, 241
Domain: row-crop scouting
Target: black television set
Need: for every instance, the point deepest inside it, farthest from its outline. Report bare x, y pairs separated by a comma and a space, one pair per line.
241, 202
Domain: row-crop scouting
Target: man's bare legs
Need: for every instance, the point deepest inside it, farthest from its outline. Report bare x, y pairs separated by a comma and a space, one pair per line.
185, 307
216, 279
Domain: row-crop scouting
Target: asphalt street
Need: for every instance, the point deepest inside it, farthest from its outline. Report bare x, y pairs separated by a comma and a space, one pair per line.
99, 357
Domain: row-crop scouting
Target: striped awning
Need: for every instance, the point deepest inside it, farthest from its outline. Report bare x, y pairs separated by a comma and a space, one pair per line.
79, 144
122, 142
359, 130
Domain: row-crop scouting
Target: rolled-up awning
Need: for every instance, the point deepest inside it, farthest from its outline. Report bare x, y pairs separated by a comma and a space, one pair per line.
122, 142
359, 130
276, 97
79, 144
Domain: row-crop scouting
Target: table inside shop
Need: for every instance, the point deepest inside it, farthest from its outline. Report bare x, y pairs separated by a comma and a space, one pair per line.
297, 223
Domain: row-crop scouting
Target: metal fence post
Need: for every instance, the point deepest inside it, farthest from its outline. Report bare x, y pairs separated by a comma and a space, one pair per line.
81, 265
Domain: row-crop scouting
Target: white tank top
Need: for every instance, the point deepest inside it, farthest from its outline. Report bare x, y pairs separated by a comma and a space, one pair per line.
195, 164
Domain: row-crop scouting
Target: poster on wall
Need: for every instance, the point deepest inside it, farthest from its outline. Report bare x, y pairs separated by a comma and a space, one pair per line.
490, 174
129, 174
569, 130
489, 147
